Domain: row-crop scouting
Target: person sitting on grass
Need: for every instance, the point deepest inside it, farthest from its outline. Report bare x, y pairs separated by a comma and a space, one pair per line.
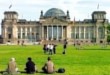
48, 67
30, 66
12, 67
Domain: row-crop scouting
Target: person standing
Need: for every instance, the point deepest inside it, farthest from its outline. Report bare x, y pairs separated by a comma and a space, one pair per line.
22, 43
45, 48
64, 46
18, 42
30, 66
51, 49
54, 48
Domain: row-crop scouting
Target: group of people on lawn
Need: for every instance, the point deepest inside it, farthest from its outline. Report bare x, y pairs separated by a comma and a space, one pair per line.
30, 67
49, 48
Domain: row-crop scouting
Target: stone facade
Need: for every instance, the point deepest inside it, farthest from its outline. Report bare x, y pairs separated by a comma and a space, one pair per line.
54, 25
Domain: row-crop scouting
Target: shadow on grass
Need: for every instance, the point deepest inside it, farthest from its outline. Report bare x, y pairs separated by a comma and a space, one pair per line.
96, 49
41, 72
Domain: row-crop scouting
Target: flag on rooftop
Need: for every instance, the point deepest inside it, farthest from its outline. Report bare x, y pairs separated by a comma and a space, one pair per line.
74, 20
10, 6
98, 6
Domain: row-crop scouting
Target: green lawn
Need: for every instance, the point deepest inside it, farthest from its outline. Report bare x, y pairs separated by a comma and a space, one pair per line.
90, 60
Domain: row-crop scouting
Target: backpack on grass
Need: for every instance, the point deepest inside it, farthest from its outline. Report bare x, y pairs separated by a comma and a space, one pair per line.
61, 70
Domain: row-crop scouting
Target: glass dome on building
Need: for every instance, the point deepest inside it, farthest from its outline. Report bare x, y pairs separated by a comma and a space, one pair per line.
54, 12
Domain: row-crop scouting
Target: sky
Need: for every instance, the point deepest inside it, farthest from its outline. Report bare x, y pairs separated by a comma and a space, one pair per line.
30, 9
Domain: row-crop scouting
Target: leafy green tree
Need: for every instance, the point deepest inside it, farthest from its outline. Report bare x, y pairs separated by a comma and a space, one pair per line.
108, 33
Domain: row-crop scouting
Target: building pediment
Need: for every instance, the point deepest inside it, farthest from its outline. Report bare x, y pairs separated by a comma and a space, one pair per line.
54, 21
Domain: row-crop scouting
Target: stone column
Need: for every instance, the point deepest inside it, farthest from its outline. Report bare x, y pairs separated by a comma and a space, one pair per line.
89, 34
62, 32
57, 33
52, 32
14, 34
30, 30
47, 32
79, 32
34, 34
68, 32
5, 32
97, 37
105, 35
21, 33
94, 37
84, 32
42, 32
25, 33
75, 32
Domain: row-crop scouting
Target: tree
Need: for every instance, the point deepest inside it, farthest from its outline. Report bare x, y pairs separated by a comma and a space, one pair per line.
108, 33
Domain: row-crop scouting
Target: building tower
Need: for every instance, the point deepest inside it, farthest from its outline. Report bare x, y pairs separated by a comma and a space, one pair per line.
99, 18
9, 28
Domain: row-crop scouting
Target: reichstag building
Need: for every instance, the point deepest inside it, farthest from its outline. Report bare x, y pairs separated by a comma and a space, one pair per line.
54, 25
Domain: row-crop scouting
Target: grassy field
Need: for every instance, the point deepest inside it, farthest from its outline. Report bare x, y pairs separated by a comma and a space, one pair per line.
90, 60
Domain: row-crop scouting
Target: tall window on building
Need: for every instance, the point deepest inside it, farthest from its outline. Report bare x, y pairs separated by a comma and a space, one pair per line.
54, 32
91, 32
28, 36
77, 33
87, 33
45, 32
37, 37
77, 29
50, 32
19, 31
64, 32
19, 35
33, 37
23, 35
77, 36
9, 36
59, 32
82, 33
101, 33
9, 29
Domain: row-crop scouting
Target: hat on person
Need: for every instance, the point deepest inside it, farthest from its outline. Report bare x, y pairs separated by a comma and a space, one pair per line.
12, 59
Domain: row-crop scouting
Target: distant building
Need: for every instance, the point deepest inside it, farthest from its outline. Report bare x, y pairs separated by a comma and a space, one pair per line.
54, 25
